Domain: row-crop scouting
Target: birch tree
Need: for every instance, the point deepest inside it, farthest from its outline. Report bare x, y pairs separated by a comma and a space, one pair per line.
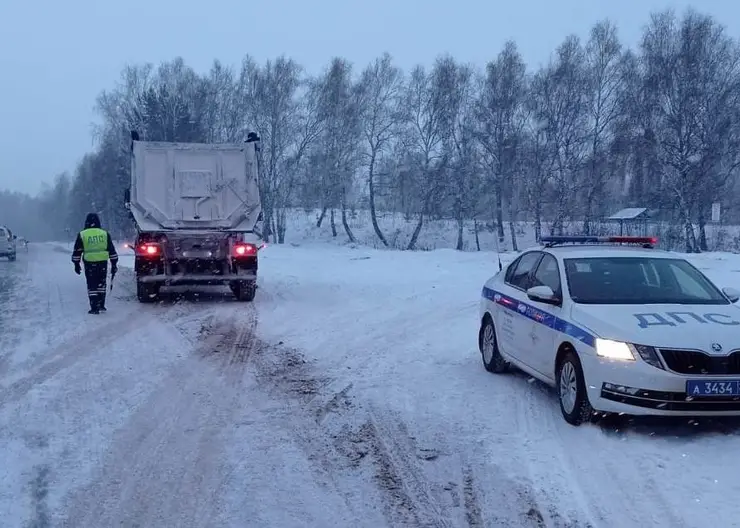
339, 113
500, 115
691, 68
379, 92
276, 116
604, 78
424, 140
563, 96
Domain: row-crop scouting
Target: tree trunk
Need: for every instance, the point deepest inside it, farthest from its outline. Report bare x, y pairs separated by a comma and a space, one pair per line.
322, 216
333, 223
512, 229
267, 218
373, 212
477, 238
703, 233
347, 229
460, 230
417, 230
272, 227
280, 221
499, 213
588, 215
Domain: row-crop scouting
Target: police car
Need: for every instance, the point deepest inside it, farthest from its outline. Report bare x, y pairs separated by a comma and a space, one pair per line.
616, 326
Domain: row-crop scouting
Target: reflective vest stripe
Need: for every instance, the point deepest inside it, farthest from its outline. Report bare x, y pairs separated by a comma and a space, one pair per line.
94, 244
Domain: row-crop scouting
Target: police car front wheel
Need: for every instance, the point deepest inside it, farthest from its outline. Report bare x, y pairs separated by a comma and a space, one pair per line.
571, 388
488, 345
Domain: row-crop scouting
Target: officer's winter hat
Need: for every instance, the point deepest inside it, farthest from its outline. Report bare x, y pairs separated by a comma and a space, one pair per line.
92, 220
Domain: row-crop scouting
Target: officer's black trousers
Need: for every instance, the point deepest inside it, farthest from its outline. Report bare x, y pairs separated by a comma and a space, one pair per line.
96, 274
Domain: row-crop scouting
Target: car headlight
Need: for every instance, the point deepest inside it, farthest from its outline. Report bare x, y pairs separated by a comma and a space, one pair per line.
609, 349
619, 350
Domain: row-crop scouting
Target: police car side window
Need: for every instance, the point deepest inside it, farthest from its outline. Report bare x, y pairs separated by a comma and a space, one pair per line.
520, 278
548, 274
510, 270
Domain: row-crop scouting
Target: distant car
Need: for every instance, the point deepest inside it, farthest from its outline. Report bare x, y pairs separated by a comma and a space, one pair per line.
7, 243
615, 329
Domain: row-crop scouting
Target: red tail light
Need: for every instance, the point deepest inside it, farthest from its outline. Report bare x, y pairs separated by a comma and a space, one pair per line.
149, 249
245, 250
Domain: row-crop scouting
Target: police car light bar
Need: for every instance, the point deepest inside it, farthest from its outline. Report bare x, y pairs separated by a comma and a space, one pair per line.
645, 241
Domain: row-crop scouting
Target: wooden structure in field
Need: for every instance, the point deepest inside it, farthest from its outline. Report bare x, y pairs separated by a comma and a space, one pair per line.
634, 218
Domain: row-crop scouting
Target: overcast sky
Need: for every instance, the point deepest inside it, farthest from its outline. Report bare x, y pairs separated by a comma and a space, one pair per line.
56, 56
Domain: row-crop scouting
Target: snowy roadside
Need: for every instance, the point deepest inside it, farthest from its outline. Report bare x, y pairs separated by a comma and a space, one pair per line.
402, 335
392, 337
350, 393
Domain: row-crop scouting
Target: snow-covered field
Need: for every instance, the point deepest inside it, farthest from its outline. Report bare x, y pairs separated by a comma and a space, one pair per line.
440, 234
349, 394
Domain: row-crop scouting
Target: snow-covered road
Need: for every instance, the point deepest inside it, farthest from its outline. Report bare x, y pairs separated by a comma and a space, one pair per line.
350, 394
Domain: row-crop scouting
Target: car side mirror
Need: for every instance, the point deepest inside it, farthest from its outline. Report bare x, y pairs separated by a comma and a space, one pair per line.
15, 237
732, 294
543, 294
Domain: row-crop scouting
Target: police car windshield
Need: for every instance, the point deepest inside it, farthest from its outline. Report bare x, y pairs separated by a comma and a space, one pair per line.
638, 280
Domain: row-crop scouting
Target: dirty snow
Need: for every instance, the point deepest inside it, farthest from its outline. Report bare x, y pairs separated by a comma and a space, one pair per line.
350, 393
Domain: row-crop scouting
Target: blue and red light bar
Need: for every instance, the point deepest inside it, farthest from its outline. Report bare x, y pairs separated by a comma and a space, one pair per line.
651, 241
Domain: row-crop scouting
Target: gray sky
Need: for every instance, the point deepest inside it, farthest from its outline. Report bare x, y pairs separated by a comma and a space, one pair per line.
56, 56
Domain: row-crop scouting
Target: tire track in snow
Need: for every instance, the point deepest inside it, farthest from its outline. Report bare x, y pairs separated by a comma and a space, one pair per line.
241, 337
473, 514
549, 465
351, 441
73, 349
39, 490
409, 495
67, 354
165, 466
345, 442
15, 301
572, 466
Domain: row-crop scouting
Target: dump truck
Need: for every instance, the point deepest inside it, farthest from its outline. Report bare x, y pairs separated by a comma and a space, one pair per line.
197, 212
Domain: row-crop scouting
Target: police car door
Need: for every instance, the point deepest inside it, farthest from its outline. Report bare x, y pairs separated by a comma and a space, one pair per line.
514, 320
541, 335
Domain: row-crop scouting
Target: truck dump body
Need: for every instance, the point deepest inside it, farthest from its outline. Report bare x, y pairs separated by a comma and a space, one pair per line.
194, 187
196, 207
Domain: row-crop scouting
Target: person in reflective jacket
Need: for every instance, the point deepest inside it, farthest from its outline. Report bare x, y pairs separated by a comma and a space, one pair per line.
94, 247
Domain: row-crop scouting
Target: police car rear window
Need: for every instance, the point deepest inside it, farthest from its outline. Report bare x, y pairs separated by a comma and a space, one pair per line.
638, 280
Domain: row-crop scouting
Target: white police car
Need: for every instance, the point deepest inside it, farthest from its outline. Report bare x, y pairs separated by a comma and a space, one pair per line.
615, 328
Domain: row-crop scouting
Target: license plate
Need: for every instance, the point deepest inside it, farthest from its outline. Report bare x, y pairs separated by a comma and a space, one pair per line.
713, 388
197, 254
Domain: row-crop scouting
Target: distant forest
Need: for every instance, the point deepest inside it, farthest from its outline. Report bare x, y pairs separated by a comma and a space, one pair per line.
599, 128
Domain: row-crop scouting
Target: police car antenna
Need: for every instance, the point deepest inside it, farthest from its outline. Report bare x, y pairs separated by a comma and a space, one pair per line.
498, 254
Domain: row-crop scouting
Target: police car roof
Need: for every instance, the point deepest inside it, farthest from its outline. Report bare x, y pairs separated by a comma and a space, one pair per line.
606, 250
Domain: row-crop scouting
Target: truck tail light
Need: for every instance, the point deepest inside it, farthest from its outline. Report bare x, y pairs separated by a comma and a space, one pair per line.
245, 250
149, 249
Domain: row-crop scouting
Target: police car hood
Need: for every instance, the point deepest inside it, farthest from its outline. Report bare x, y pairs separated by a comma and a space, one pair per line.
663, 325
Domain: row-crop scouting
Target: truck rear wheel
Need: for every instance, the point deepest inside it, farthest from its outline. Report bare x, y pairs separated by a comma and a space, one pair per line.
245, 290
147, 293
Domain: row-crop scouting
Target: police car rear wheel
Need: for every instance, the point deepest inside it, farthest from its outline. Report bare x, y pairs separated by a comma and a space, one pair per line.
488, 345
572, 393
